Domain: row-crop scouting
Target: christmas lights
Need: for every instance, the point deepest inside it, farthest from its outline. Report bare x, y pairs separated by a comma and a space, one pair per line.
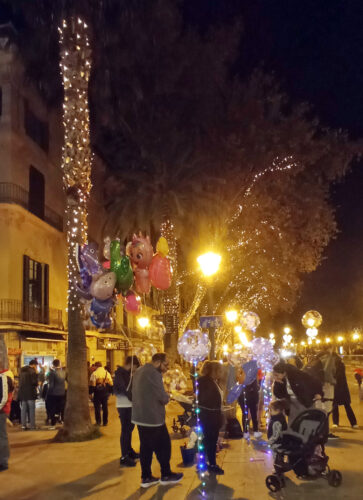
75, 65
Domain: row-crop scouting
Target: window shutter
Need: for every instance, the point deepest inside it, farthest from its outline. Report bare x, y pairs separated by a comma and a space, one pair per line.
46, 294
25, 288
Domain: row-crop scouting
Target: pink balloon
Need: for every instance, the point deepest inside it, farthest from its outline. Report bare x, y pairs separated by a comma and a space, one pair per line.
106, 265
160, 272
132, 303
142, 280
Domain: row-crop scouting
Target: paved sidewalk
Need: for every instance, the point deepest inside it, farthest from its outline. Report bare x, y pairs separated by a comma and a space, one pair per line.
42, 470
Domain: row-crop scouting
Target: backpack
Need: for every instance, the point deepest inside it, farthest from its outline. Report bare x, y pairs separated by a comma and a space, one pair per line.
315, 369
233, 429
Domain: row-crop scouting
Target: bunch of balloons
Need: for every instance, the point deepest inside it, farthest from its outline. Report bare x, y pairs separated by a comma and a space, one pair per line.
263, 352
136, 267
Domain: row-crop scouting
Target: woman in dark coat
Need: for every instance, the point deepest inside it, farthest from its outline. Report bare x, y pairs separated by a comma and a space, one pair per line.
210, 404
342, 395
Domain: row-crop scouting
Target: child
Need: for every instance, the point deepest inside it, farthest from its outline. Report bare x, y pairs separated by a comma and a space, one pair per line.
277, 423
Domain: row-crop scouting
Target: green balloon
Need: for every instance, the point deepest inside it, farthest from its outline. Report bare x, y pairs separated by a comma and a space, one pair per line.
125, 275
115, 255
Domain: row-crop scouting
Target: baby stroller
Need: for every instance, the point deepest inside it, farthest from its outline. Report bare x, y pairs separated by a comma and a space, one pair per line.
302, 449
188, 418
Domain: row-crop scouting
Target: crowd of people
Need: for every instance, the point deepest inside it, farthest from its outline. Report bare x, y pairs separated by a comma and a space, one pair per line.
141, 399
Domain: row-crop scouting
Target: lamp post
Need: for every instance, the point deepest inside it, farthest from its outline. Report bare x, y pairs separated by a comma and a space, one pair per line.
209, 265
232, 317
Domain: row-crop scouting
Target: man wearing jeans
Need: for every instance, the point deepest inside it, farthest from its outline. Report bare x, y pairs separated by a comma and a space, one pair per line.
27, 395
148, 413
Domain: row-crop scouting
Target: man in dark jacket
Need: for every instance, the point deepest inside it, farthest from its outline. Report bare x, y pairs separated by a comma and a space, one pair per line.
27, 395
122, 390
148, 413
56, 393
300, 388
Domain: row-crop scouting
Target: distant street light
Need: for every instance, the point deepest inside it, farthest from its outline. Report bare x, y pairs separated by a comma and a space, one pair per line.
144, 322
287, 330
232, 316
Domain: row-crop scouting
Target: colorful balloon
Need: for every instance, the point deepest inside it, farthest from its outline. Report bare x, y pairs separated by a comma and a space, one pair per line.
162, 246
102, 288
250, 368
115, 255
142, 280
160, 272
132, 303
140, 251
234, 393
124, 275
194, 346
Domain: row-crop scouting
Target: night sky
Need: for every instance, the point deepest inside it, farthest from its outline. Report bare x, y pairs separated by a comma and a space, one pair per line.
315, 50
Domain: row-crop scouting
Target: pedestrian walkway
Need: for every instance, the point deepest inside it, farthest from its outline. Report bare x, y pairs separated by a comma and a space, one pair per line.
42, 470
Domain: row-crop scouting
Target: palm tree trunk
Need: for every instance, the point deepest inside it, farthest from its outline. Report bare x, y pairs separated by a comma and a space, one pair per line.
75, 66
171, 296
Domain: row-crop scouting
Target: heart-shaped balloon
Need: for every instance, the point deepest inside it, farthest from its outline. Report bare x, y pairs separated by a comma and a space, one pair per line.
132, 303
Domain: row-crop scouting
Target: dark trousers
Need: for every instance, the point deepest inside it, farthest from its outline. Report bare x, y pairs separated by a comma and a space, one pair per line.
249, 400
126, 431
349, 411
55, 406
154, 440
101, 400
211, 423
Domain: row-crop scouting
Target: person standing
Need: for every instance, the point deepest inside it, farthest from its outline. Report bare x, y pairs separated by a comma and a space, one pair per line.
296, 386
27, 395
100, 382
148, 413
328, 360
342, 396
249, 399
122, 390
56, 393
6, 389
210, 404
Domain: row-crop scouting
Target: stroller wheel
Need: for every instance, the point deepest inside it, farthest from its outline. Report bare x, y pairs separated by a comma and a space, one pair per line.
335, 478
273, 483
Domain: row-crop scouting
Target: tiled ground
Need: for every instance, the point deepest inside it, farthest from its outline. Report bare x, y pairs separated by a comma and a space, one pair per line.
42, 470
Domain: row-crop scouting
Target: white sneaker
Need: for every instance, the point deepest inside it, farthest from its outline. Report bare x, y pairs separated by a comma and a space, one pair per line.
246, 435
257, 434
335, 426
355, 426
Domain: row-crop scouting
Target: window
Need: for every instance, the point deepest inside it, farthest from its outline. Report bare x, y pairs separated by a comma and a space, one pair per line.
36, 192
35, 128
35, 291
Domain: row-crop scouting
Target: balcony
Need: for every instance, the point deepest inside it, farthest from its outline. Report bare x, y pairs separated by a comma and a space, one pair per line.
18, 311
12, 193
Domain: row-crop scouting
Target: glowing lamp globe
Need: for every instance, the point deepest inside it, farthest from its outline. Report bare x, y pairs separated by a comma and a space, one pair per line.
312, 319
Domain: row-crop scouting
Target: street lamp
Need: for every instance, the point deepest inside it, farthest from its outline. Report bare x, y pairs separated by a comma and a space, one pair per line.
327, 340
209, 265
356, 336
287, 330
231, 316
144, 322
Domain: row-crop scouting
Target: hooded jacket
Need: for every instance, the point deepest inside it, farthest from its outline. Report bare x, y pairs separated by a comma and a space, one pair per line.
122, 388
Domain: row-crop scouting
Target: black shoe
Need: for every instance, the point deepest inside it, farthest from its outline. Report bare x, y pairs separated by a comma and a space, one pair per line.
215, 469
104, 425
127, 462
149, 481
134, 455
172, 478
332, 436
3, 467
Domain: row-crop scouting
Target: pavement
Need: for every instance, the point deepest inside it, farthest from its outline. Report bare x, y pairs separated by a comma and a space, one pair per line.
40, 469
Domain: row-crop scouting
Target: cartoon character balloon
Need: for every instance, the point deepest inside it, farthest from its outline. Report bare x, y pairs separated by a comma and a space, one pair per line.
140, 251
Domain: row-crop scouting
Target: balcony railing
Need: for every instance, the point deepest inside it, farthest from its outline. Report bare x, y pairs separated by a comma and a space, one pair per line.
12, 193
16, 310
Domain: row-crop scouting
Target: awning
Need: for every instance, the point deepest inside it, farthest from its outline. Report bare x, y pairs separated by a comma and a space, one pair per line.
43, 336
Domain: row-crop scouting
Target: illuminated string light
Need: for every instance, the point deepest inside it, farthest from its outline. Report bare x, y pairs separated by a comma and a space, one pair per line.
75, 66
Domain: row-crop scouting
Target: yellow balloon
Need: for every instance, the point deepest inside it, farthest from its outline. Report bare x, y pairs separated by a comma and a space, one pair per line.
162, 246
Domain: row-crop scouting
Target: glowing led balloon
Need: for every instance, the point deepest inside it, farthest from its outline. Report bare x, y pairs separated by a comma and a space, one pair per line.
312, 319
263, 352
249, 320
194, 346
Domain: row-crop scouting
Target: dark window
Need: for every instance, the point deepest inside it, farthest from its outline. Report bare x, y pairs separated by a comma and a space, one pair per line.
35, 291
36, 192
35, 128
